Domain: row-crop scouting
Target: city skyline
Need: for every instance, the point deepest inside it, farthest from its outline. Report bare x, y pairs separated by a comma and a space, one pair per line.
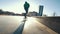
16, 6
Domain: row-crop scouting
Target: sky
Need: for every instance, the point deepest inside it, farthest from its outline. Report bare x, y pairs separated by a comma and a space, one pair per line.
16, 6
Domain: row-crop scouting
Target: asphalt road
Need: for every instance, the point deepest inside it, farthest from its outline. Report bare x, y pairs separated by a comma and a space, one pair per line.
17, 25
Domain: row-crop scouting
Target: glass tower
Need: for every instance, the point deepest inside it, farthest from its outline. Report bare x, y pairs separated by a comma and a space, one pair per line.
40, 10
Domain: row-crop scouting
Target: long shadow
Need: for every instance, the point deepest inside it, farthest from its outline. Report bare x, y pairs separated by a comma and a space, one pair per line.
19, 30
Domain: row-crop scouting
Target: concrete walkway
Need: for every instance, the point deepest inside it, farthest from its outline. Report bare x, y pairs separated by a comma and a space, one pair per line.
32, 26
13, 25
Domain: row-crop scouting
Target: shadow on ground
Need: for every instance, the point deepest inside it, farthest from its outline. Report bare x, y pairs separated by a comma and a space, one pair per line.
19, 30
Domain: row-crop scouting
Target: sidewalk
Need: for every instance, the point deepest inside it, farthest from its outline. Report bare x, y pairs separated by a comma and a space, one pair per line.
35, 27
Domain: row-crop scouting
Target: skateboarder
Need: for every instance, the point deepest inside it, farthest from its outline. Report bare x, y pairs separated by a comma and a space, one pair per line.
26, 7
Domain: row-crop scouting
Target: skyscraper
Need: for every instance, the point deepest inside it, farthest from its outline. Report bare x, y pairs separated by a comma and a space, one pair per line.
40, 10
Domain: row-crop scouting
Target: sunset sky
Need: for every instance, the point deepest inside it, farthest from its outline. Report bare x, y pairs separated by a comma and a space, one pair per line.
16, 6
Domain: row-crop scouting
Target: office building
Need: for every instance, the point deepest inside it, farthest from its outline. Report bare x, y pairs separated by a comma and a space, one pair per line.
40, 10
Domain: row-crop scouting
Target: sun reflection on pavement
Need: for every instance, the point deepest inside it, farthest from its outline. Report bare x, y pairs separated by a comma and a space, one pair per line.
32, 26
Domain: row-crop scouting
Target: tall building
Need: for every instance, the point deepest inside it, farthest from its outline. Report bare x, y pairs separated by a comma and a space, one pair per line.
54, 14
41, 10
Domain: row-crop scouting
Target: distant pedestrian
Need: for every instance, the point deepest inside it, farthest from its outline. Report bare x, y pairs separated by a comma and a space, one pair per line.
26, 7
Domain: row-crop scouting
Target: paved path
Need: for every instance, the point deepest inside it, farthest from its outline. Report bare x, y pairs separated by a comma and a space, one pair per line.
32, 26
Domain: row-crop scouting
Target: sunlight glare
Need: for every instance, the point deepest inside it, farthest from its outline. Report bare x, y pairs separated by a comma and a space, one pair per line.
30, 20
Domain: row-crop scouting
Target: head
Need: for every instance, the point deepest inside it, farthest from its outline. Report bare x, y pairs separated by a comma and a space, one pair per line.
25, 1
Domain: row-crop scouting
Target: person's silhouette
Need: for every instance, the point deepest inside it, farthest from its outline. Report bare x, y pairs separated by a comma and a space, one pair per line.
26, 7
